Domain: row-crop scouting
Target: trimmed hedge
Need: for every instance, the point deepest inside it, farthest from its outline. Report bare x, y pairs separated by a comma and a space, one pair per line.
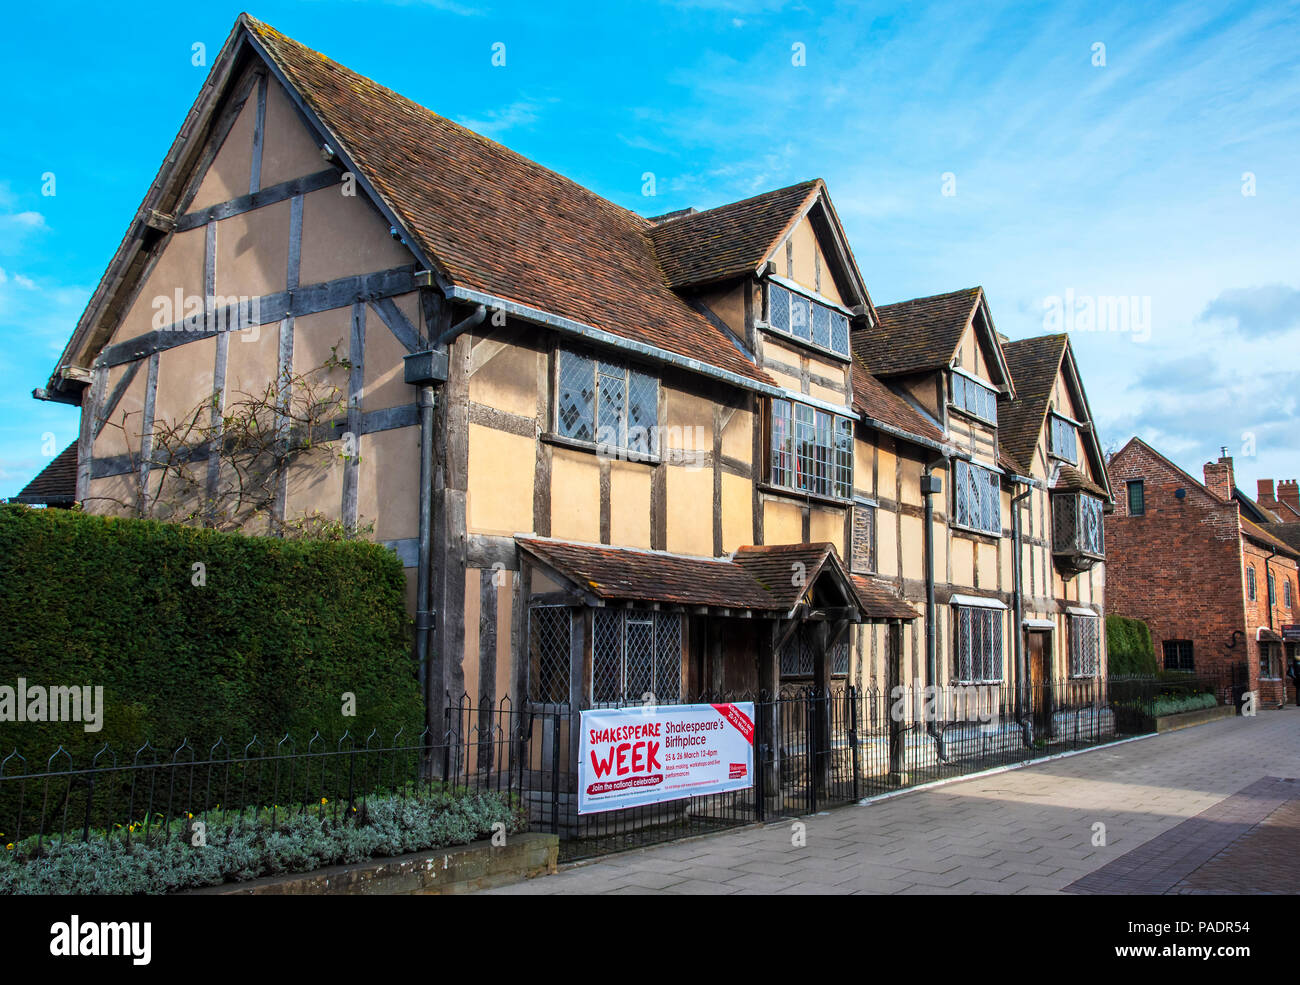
269, 643
1128, 642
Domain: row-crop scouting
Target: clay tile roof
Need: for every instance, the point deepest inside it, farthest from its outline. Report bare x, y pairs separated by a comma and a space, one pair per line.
879, 599
785, 570
1265, 536
703, 247
56, 484
653, 576
916, 335
1070, 479
874, 400
494, 221
1034, 365
1288, 533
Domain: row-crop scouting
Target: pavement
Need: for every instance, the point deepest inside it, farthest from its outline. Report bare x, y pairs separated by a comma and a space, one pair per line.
1209, 809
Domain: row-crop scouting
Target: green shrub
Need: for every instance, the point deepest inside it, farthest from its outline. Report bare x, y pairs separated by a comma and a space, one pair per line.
239, 849
267, 641
1128, 643
1173, 704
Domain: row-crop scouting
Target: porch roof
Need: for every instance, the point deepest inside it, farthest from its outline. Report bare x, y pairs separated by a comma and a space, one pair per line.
753, 579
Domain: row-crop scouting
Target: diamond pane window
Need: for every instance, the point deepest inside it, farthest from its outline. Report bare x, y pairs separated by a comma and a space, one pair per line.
576, 410
608, 403
977, 645
839, 333
821, 326
1085, 645
549, 629
798, 657
805, 319
636, 653
778, 308
642, 413
977, 495
1077, 526
1061, 439
974, 398
840, 658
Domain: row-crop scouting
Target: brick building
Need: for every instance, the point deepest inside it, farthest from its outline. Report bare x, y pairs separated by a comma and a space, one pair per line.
1215, 587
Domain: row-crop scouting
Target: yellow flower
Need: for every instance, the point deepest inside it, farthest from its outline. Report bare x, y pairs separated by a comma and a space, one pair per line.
324, 801
9, 847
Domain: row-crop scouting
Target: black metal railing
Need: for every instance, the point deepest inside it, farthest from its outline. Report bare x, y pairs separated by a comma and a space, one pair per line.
152, 795
813, 748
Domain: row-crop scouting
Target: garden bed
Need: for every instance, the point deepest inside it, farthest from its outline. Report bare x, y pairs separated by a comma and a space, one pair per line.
189, 852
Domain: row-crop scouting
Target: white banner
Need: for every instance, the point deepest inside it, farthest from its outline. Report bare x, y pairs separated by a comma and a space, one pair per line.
652, 753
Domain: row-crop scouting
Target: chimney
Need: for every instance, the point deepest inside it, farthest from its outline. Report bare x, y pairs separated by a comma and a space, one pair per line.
1288, 492
1265, 492
1219, 478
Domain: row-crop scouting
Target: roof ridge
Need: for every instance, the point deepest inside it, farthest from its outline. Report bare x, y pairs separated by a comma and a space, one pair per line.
261, 28
686, 215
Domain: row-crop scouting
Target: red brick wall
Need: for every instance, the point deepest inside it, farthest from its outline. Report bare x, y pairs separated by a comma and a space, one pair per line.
1178, 567
1283, 570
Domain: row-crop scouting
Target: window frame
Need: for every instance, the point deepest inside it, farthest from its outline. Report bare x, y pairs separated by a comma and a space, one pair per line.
660, 636
972, 385
1081, 501
964, 619
1059, 423
535, 663
1272, 589
1252, 589
837, 321
1180, 645
631, 372
827, 467
1141, 487
868, 565
993, 483
1076, 656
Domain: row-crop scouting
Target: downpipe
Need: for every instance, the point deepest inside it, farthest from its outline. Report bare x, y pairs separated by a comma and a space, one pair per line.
1023, 718
930, 486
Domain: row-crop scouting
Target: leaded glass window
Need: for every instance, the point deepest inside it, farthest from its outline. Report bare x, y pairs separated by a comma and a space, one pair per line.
609, 403
636, 652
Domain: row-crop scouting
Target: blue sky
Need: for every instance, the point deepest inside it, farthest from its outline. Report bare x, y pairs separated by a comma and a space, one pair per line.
1072, 178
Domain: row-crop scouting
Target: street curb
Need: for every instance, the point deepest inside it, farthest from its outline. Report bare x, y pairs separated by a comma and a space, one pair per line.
994, 771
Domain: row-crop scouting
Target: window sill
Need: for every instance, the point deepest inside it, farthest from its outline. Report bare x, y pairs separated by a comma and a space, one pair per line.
971, 415
963, 529
996, 683
808, 344
603, 451
802, 496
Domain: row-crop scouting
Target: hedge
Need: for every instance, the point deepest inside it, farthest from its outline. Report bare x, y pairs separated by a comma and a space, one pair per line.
264, 638
1128, 642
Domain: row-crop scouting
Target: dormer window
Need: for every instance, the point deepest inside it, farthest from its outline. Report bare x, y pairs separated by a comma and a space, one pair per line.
1062, 441
806, 320
972, 397
1077, 537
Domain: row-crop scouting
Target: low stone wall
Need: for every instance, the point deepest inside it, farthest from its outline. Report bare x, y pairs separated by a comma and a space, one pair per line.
444, 871
1185, 719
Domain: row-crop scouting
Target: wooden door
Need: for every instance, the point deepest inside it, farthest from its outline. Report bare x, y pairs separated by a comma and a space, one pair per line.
1040, 679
